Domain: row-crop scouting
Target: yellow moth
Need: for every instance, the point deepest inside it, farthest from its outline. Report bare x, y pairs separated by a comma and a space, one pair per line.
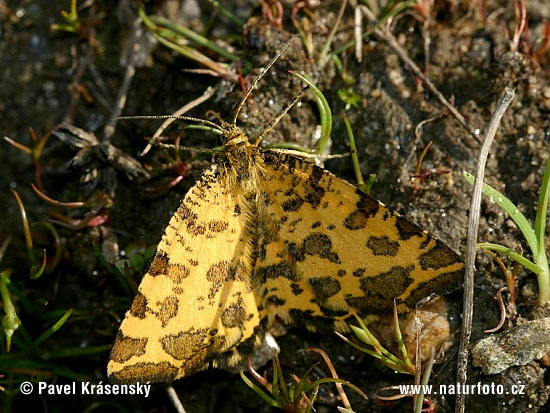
264, 235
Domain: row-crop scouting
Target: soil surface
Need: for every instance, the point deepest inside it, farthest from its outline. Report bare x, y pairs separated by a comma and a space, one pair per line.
48, 76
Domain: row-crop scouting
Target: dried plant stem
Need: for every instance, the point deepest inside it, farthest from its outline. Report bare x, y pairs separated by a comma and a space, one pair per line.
122, 95
473, 225
83, 64
339, 387
208, 93
425, 380
502, 309
174, 398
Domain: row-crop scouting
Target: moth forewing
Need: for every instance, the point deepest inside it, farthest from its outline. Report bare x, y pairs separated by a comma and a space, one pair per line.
196, 303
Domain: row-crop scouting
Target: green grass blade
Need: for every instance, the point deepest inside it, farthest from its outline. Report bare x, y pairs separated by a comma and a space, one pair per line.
354, 157
540, 221
195, 37
227, 13
10, 322
37, 270
512, 254
512, 211
279, 381
329, 380
26, 228
191, 53
55, 327
324, 111
268, 399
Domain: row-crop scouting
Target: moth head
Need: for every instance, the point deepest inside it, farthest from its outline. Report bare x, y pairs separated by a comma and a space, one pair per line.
234, 136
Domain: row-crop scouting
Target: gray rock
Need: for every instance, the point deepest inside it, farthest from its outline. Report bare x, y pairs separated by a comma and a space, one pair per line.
514, 347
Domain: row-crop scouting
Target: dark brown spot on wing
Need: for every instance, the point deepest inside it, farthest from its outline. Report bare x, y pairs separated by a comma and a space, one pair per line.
406, 229
234, 315
237, 210
159, 264
127, 347
383, 246
273, 300
293, 204
167, 309
296, 289
139, 306
218, 226
398, 278
222, 272
324, 287
295, 251
177, 272
442, 284
276, 270
380, 290
333, 312
314, 322
321, 245
314, 192
144, 372
187, 346
439, 256
367, 207
191, 220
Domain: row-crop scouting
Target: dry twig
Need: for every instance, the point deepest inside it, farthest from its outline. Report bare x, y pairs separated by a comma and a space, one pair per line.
473, 225
208, 93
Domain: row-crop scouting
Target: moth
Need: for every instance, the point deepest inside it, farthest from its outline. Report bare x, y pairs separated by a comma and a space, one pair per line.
262, 236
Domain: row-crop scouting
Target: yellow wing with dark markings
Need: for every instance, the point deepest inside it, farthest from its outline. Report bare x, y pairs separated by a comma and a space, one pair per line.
262, 235
327, 251
195, 306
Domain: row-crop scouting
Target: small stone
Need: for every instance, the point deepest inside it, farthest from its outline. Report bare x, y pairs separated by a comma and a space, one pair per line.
517, 346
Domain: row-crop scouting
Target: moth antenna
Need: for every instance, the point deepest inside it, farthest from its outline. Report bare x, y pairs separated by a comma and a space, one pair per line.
277, 118
217, 116
271, 63
187, 118
184, 148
